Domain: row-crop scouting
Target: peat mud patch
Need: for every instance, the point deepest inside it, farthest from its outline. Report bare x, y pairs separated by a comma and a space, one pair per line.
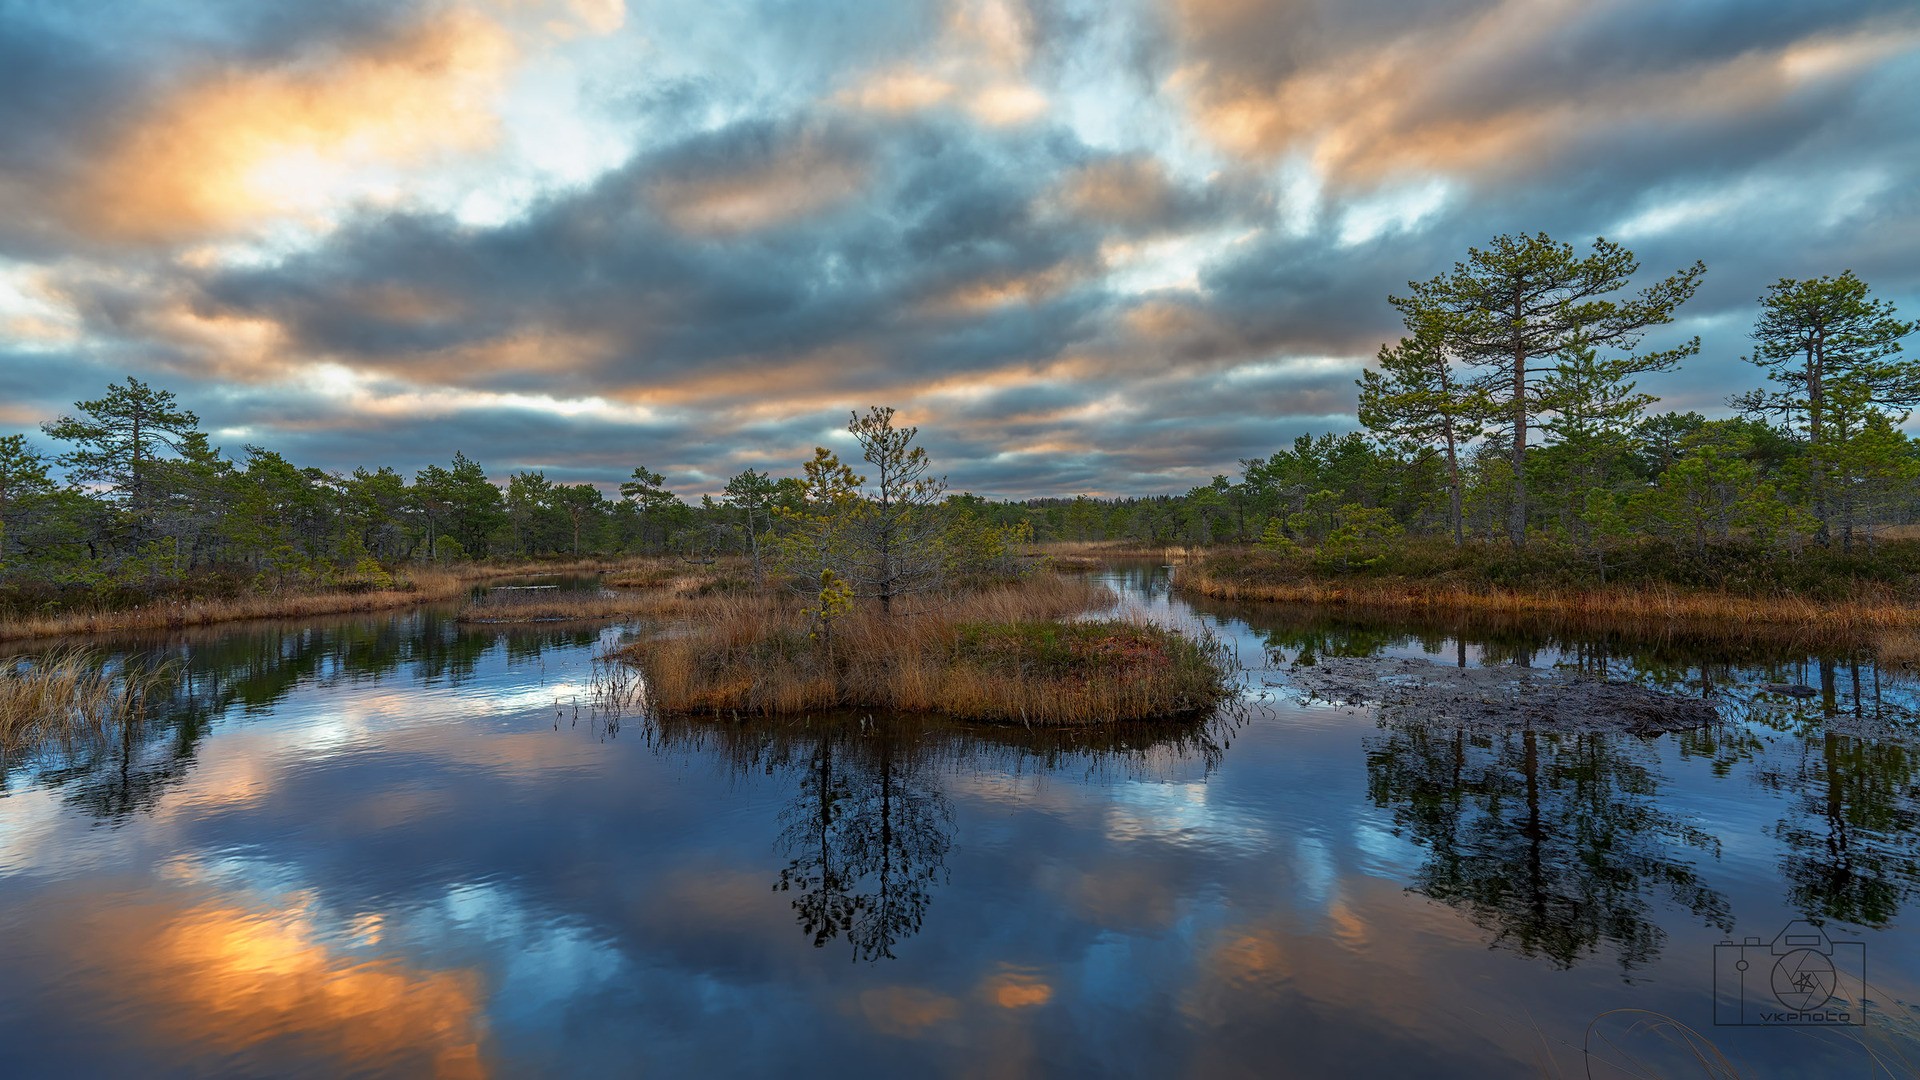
1410, 691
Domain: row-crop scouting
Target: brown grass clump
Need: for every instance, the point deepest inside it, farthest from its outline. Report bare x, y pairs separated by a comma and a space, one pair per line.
998, 653
66, 698
654, 573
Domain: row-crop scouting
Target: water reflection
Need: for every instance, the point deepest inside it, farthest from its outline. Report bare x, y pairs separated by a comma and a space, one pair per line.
234, 979
868, 828
1853, 839
235, 674
1556, 845
381, 845
866, 840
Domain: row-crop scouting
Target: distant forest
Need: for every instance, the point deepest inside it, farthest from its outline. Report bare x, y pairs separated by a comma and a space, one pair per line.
1510, 413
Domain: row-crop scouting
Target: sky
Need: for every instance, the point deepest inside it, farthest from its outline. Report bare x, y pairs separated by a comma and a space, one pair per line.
1087, 246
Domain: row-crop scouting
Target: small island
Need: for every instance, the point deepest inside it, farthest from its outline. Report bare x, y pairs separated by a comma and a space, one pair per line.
885, 595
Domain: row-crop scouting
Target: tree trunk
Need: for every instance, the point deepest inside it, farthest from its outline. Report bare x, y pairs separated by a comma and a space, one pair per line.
1816, 436
1456, 511
1517, 507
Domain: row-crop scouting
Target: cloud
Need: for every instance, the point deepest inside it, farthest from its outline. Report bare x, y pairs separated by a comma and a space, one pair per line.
1505, 88
763, 185
1101, 249
233, 148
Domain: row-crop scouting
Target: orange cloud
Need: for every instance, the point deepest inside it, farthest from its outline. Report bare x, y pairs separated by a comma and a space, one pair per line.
979, 62
906, 1011
896, 91
235, 147
1125, 190
988, 293
1016, 988
1366, 112
222, 979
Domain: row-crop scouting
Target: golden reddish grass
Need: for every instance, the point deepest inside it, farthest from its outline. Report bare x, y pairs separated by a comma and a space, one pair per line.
1878, 619
1898, 649
999, 653
66, 697
1854, 616
1090, 554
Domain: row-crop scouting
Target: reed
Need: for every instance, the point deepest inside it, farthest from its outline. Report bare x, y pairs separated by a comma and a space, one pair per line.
1868, 613
1899, 649
1004, 653
67, 698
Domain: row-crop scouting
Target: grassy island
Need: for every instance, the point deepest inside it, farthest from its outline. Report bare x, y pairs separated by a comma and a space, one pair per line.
1011, 651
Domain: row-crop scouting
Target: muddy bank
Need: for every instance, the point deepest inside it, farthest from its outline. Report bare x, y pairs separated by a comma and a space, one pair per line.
1409, 691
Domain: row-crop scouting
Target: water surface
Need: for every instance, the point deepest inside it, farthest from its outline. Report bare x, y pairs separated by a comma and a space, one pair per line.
397, 845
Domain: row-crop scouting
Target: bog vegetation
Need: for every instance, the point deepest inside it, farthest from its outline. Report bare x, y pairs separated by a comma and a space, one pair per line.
877, 594
69, 697
1507, 441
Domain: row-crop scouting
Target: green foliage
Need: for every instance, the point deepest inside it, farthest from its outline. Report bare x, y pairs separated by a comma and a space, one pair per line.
1360, 535
1834, 351
1526, 300
833, 601
973, 546
118, 438
1274, 539
1713, 492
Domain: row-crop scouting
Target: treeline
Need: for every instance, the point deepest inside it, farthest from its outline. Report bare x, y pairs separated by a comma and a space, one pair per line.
150, 508
1510, 412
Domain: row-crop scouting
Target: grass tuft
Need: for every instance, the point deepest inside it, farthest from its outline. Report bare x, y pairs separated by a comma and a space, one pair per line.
67, 698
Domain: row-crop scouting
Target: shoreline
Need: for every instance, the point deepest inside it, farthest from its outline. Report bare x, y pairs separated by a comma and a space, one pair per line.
428, 585
1883, 622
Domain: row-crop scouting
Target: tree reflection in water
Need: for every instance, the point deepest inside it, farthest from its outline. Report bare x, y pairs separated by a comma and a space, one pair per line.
1854, 842
225, 674
868, 829
1552, 843
867, 837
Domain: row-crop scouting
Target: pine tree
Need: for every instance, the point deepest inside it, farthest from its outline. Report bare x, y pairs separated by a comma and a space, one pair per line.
1417, 399
1829, 344
117, 440
1525, 299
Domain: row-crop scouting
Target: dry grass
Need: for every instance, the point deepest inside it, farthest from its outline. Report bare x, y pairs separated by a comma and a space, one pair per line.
1091, 554
1898, 649
414, 585
1878, 619
1000, 653
651, 587
66, 698
654, 573
1865, 614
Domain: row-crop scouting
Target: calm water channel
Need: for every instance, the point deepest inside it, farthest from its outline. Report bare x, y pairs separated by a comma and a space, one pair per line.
394, 845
